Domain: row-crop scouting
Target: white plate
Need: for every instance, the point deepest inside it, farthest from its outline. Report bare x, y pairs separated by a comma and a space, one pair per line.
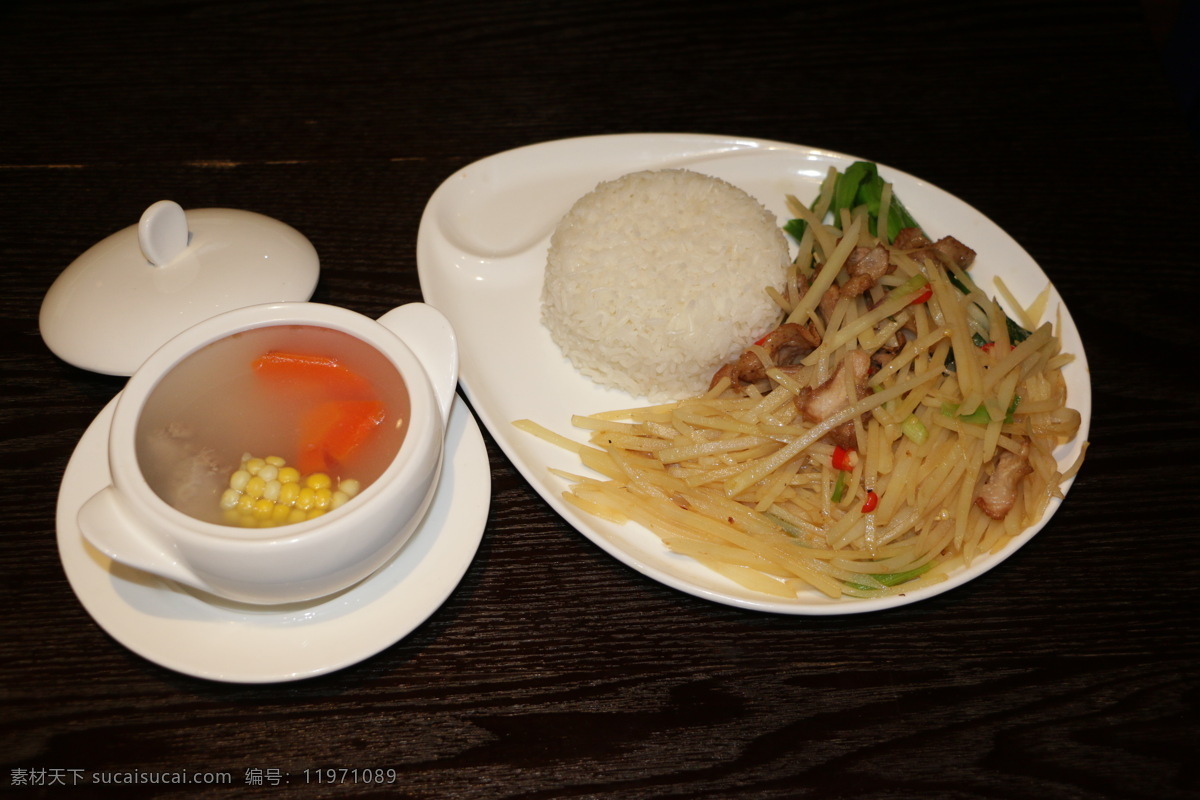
481, 253
177, 629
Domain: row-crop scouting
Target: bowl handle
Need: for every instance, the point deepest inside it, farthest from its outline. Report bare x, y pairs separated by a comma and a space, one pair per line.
430, 336
111, 530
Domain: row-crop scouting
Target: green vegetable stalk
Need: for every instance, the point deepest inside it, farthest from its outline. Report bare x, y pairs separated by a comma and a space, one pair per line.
861, 185
980, 415
839, 487
893, 578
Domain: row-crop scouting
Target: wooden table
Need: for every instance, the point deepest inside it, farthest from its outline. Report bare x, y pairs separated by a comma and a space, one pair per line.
553, 670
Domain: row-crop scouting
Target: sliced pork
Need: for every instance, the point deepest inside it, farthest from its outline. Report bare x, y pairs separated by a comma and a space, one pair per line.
998, 494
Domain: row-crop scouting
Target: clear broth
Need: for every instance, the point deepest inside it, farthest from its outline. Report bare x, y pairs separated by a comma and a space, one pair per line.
212, 408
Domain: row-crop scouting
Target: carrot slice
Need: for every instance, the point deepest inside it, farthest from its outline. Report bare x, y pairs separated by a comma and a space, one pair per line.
333, 430
303, 369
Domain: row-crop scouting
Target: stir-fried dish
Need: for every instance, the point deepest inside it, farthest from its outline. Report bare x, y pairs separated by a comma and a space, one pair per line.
897, 424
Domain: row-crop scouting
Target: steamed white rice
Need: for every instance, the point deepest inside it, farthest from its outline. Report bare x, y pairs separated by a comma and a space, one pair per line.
656, 279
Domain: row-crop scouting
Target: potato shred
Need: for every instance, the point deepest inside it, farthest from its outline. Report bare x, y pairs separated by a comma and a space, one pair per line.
740, 479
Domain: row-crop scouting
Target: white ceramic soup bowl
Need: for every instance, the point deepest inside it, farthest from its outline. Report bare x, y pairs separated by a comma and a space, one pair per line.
131, 524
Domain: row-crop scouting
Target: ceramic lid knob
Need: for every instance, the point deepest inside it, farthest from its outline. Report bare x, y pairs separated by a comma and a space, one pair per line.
163, 232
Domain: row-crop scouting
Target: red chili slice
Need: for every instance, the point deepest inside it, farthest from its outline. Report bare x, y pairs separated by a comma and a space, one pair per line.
922, 297
843, 459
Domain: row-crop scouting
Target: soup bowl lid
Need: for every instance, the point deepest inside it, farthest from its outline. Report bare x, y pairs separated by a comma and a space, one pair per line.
136, 289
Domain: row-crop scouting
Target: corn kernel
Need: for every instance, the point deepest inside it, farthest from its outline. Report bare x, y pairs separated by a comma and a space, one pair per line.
349, 486
272, 489
275, 461
305, 499
289, 475
316, 512
269, 472
247, 521
263, 509
244, 504
323, 498
254, 465
229, 498
255, 487
280, 513
288, 493
339, 499
318, 480
238, 480
296, 515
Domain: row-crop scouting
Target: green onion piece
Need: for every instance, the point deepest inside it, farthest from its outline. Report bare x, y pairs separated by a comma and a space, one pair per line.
914, 429
980, 416
896, 578
1012, 409
914, 284
788, 528
839, 488
893, 578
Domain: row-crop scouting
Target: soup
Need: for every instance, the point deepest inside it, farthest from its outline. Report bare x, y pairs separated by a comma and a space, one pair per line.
237, 420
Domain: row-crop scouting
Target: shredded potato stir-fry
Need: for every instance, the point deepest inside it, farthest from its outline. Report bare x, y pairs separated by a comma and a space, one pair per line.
744, 481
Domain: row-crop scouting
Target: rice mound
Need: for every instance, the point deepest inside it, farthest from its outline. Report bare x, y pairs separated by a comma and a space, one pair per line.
658, 278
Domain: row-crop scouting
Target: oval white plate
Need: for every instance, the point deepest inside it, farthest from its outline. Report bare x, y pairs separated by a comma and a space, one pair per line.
481, 253
177, 629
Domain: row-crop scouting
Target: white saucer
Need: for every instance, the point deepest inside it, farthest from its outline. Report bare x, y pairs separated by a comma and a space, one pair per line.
179, 630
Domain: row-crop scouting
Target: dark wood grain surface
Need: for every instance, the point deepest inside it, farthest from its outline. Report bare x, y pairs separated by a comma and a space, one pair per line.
553, 671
